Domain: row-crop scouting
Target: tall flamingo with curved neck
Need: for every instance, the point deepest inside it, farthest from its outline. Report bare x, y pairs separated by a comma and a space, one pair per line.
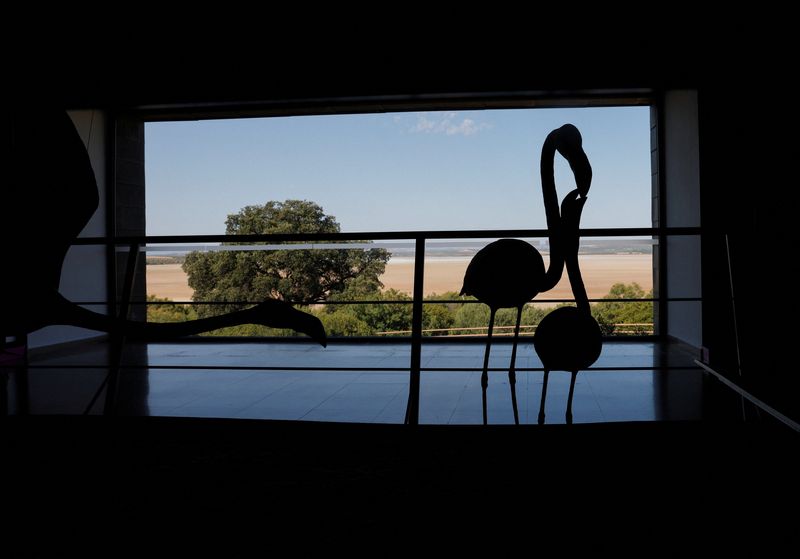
509, 272
51, 187
569, 338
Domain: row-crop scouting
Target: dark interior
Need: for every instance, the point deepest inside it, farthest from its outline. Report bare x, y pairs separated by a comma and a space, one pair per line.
262, 481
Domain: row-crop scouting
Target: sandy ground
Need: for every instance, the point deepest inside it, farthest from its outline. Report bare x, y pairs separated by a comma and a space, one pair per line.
600, 272
168, 281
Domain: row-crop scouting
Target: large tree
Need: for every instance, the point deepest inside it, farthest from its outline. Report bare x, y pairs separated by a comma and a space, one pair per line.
304, 275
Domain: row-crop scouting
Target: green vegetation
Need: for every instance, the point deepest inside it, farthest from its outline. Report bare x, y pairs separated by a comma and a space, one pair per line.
634, 318
439, 319
382, 318
169, 312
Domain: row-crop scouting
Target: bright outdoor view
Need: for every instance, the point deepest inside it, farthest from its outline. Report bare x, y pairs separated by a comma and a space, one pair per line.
403, 172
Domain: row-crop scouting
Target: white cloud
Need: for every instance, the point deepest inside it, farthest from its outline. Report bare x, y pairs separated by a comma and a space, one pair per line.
468, 127
425, 125
449, 124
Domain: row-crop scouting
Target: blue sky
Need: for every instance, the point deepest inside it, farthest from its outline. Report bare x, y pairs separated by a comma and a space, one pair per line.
395, 171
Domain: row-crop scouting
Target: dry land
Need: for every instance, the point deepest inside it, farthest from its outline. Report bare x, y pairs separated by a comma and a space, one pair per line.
168, 281
600, 272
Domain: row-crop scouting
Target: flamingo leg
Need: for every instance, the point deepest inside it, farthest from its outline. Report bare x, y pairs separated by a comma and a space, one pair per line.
544, 396
485, 375
512, 373
569, 400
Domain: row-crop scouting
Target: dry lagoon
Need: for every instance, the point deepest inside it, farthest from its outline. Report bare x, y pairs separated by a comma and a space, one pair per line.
442, 274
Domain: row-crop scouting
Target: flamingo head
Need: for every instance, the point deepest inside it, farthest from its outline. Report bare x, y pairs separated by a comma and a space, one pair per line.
570, 144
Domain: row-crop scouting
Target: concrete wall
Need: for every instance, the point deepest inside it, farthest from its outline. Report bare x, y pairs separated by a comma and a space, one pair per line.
681, 174
83, 276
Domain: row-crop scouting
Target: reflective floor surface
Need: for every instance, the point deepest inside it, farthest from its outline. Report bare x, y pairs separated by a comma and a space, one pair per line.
359, 382
635, 456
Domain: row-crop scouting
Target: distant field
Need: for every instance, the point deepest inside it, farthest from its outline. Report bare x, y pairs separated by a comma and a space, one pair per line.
600, 272
168, 281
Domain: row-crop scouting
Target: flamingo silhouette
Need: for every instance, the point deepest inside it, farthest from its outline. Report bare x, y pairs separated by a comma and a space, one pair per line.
509, 272
52, 186
569, 338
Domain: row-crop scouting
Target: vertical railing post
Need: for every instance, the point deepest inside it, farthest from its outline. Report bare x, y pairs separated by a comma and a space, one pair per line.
118, 337
661, 328
412, 410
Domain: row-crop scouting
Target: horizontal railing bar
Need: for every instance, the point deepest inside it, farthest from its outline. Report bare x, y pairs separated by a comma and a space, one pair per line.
383, 235
394, 302
472, 301
390, 246
378, 340
504, 330
343, 369
792, 424
237, 247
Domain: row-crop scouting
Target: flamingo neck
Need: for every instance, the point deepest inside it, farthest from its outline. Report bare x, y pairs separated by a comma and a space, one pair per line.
576, 283
551, 210
69, 313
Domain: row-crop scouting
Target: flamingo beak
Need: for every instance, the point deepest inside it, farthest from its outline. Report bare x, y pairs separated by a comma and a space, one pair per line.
319, 335
313, 328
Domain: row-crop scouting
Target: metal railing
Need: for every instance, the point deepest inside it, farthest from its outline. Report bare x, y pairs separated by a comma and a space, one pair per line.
419, 239
760, 404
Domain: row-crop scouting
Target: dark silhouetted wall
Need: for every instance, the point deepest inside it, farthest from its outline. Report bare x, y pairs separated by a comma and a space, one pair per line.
130, 204
84, 274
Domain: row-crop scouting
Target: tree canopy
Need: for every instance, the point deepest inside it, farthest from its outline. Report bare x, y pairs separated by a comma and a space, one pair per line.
307, 276
636, 316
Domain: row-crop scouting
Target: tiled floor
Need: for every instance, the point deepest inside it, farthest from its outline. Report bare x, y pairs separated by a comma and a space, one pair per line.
665, 385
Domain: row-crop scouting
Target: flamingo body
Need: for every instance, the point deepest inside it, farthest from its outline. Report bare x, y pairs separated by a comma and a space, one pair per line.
568, 339
518, 264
